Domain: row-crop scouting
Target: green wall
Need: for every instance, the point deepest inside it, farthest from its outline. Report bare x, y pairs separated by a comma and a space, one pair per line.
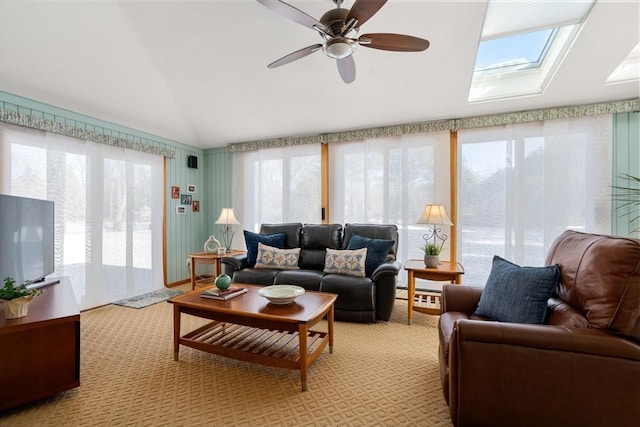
626, 160
218, 175
184, 233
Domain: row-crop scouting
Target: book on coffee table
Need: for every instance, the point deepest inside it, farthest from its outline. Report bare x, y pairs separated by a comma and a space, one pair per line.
225, 294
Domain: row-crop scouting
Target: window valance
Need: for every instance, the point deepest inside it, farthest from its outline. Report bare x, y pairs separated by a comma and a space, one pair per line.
450, 125
77, 129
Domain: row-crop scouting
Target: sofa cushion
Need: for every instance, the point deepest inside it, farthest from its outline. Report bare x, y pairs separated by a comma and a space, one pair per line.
279, 259
312, 259
252, 239
517, 294
351, 263
373, 231
377, 250
321, 236
354, 293
291, 230
314, 240
308, 279
600, 277
256, 276
559, 313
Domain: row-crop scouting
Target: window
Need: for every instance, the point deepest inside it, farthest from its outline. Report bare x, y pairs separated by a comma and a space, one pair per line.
521, 46
629, 68
278, 185
389, 181
520, 186
108, 211
517, 52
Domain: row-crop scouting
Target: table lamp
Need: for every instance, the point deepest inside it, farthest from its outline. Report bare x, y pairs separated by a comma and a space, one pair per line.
227, 218
435, 215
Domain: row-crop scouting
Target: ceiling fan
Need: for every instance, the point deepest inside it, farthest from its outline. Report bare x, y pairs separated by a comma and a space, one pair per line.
339, 28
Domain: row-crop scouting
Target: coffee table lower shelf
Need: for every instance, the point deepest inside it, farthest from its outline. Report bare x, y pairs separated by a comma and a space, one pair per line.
268, 347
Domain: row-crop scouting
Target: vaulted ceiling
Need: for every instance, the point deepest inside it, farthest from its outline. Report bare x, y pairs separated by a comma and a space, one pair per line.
196, 71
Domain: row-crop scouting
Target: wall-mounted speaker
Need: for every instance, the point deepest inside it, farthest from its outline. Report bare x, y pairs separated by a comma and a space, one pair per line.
192, 162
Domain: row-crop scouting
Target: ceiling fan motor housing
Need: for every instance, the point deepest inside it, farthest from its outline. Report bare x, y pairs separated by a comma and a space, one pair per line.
341, 44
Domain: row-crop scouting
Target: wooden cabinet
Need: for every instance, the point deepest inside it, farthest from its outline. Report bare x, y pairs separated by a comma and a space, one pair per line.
40, 353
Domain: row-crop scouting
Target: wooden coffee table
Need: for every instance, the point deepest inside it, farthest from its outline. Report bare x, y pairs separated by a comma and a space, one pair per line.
250, 328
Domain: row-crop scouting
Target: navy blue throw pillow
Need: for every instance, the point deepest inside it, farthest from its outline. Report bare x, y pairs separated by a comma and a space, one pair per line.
517, 294
275, 240
377, 250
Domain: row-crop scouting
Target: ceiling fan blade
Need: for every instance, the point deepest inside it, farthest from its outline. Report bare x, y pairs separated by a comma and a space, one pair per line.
347, 69
362, 10
395, 42
295, 55
290, 12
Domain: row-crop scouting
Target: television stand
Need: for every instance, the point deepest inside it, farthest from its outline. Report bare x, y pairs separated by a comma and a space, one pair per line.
40, 353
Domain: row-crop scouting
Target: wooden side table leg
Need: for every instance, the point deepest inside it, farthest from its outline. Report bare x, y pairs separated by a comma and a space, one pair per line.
302, 336
218, 268
176, 332
330, 328
411, 293
193, 273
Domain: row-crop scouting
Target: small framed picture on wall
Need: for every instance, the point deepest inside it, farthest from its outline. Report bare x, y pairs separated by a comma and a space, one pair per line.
191, 188
175, 192
186, 199
195, 205
181, 210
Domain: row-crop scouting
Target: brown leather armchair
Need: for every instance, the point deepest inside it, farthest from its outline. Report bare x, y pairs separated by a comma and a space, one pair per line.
580, 368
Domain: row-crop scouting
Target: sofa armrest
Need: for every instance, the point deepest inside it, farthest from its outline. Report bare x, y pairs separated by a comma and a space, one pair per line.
460, 298
385, 269
384, 278
236, 262
545, 337
514, 374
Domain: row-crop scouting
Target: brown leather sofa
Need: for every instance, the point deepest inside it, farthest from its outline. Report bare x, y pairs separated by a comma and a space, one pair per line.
580, 368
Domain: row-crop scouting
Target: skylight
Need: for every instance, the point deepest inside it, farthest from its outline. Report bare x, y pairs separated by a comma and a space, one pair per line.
629, 68
522, 44
526, 50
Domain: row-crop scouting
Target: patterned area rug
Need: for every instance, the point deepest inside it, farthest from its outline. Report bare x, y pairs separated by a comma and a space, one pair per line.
150, 298
383, 374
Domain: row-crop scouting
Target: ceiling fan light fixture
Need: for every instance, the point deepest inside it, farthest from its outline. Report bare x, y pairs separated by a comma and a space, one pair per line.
339, 47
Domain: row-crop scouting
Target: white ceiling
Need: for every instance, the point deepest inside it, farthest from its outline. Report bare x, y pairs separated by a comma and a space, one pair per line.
196, 71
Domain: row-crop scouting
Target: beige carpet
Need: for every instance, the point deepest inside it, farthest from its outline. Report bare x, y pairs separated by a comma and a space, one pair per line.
383, 374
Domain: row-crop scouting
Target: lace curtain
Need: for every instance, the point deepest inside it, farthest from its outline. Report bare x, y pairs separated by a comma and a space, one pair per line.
277, 185
389, 181
519, 186
522, 185
108, 207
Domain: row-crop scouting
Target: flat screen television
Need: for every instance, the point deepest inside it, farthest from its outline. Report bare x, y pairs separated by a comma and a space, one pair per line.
26, 238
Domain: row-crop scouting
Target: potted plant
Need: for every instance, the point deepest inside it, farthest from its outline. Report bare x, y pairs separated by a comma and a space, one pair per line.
15, 299
628, 200
432, 254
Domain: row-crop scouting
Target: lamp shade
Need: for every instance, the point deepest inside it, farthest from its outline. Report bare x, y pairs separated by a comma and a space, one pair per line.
434, 214
227, 217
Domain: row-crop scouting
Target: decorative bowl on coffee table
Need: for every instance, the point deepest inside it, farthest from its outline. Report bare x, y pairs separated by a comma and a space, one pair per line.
281, 294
